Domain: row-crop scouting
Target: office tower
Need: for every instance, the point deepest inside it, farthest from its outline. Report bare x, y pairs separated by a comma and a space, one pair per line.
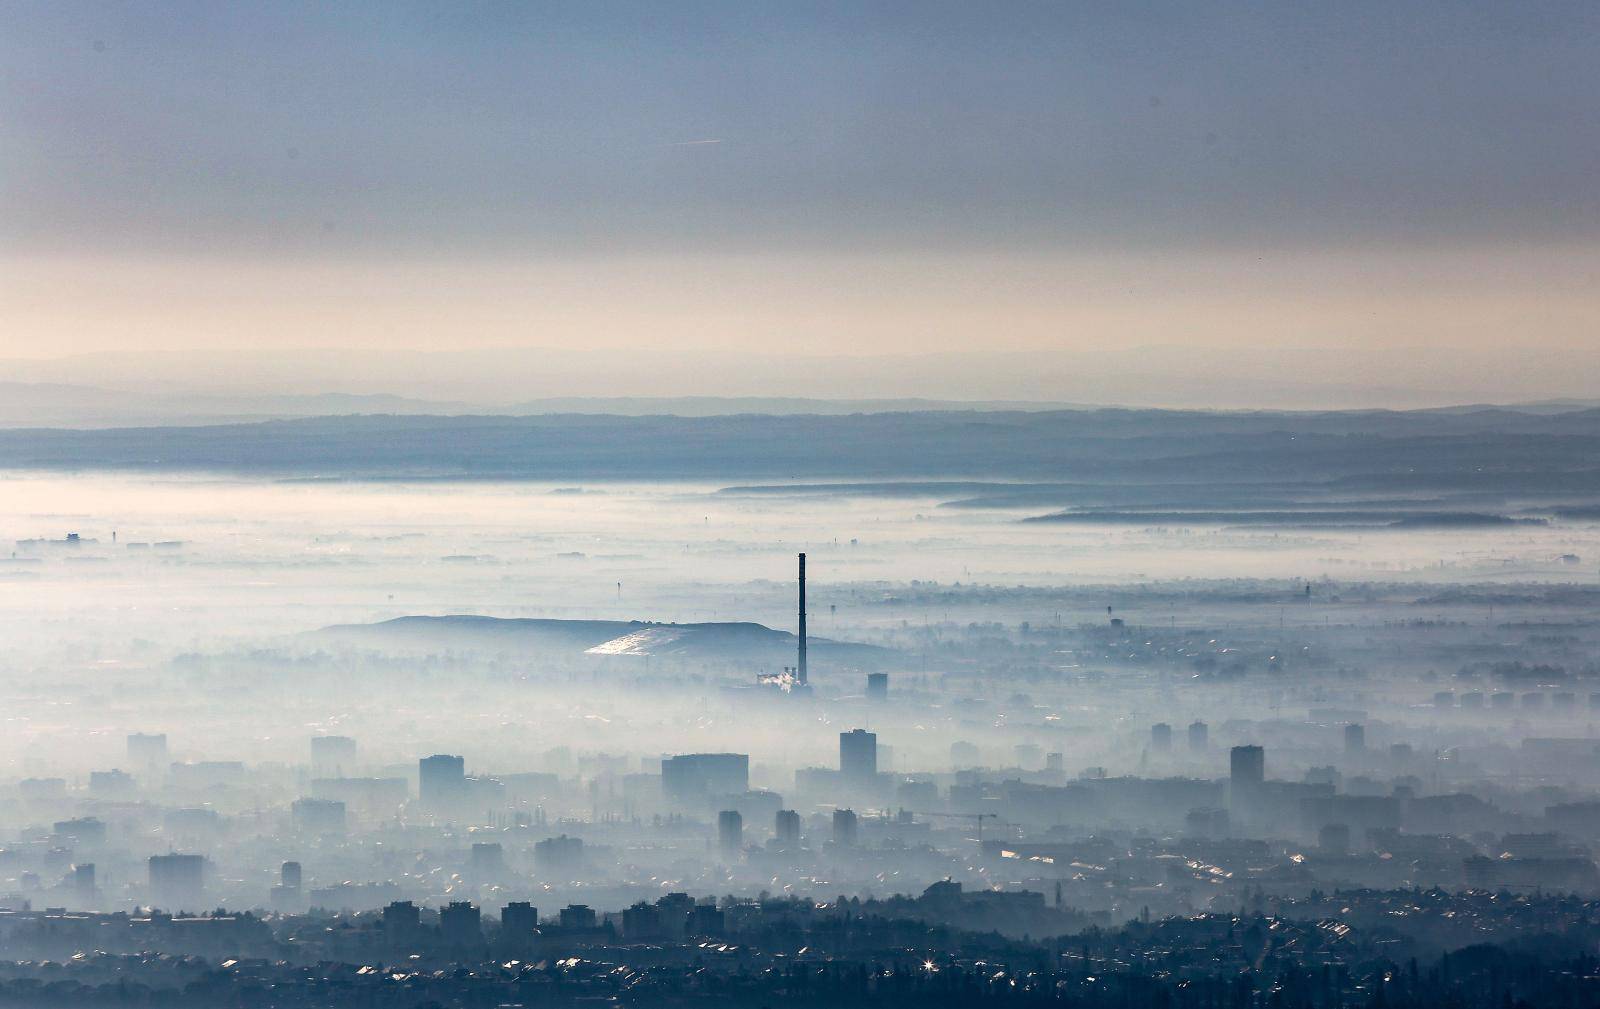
844, 827
787, 829
1055, 762
441, 781
1199, 736
1161, 736
877, 686
692, 776
289, 876
332, 756
518, 920
730, 831
858, 756
177, 882
1355, 738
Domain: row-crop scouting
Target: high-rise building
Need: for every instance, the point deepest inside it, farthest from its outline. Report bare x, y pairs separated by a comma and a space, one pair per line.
1161, 736
877, 686
692, 776
858, 756
557, 855
577, 916
332, 756
147, 751
177, 882
844, 827
787, 829
290, 876
83, 885
519, 920
1355, 738
730, 831
1199, 736
488, 858
318, 816
441, 781
1247, 768
460, 924
402, 923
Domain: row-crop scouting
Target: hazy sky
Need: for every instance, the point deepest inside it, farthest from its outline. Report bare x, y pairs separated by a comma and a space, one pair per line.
793, 177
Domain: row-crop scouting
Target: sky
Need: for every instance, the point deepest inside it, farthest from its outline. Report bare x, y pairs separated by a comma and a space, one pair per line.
868, 179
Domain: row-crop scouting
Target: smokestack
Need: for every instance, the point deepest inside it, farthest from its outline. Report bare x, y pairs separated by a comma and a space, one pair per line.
801, 668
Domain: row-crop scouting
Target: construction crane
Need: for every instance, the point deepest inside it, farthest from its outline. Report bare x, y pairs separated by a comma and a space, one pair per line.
976, 817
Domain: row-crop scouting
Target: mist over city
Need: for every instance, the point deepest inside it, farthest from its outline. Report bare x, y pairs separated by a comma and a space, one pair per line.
811, 505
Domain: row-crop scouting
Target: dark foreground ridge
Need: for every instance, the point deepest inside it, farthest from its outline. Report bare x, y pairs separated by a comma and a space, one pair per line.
1350, 950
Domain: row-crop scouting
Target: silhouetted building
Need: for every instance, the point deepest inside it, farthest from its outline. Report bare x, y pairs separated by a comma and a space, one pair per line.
641, 922
519, 920
577, 916
1199, 736
177, 881
1355, 738
318, 816
402, 923
83, 885
87, 831
113, 784
844, 827
488, 858
786, 828
730, 831
691, 776
877, 686
1334, 839
1161, 737
460, 924
147, 750
289, 876
556, 855
1247, 770
858, 756
332, 756
441, 781
705, 920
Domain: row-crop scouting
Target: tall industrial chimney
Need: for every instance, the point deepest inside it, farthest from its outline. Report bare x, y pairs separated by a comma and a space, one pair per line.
801, 668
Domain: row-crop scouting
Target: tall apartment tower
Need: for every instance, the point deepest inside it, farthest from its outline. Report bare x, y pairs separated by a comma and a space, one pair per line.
730, 831
1247, 768
787, 829
858, 755
441, 782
